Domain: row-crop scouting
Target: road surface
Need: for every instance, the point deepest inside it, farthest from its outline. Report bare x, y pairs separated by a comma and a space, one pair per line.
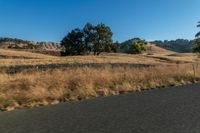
170, 110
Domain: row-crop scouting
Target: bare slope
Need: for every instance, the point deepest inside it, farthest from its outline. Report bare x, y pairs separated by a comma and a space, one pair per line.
29, 45
153, 49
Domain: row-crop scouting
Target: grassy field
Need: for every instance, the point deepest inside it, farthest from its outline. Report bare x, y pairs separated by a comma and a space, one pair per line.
29, 79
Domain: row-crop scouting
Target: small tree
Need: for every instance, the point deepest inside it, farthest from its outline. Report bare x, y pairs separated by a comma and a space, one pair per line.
198, 34
136, 47
197, 40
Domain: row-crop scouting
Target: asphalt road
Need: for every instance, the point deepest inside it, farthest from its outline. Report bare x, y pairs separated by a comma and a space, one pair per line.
170, 110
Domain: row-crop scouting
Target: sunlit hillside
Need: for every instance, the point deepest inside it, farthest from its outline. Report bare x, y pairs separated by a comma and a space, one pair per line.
29, 79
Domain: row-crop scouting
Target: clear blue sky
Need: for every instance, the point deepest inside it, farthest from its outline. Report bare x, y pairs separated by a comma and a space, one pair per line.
50, 20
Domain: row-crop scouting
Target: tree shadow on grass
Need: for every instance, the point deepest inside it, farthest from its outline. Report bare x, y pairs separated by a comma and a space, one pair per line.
32, 68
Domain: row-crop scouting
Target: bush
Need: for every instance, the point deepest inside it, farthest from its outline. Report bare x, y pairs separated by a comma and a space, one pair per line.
136, 47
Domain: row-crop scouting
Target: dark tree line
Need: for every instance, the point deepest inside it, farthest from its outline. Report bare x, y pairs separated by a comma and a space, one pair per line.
178, 45
91, 38
3, 40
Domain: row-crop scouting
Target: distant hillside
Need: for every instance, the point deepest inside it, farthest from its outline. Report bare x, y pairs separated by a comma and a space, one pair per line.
150, 47
13, 43
153, 49
179, 45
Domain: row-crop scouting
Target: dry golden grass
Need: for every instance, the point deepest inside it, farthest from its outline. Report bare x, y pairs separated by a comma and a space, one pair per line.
152, 48
159, 57
51, 87
39, 88
22, 54
136, 59
111, 58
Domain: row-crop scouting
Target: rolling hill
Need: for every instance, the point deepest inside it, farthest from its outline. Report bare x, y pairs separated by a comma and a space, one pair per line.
10, 43
178, 45
153, 49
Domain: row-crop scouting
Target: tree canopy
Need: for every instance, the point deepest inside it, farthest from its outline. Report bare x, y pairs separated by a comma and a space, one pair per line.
133, 46
91, 38
74, 43
137, 46
198, 34
197, 40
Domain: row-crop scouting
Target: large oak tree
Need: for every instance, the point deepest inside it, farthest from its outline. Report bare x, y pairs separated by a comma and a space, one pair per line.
91, 38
